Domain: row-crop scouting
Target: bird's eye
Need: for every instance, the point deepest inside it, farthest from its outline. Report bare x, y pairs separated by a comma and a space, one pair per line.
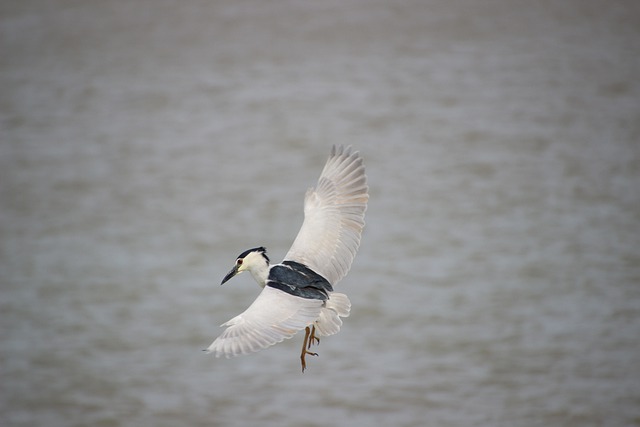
239, 262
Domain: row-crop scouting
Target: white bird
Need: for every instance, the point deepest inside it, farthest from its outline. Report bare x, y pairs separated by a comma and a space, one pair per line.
298, 293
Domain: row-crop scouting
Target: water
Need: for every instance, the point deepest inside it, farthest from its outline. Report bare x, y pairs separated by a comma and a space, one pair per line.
145, 144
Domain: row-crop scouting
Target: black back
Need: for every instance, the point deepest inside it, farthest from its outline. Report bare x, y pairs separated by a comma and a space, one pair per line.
299, 280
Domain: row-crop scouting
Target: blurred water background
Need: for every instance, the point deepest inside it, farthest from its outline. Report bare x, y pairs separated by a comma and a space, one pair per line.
145, 144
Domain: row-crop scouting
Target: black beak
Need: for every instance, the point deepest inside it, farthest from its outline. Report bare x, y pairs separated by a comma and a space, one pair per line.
229, 275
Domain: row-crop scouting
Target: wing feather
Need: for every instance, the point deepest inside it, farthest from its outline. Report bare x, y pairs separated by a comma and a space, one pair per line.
273, 317
333, 217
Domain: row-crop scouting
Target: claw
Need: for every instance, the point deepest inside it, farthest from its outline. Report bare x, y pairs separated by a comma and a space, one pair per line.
305, 345
313, 338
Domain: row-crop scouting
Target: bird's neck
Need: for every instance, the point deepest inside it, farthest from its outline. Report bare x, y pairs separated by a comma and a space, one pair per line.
260, 273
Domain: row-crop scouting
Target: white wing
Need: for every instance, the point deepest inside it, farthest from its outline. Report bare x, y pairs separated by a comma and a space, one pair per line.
333, 217
274, 316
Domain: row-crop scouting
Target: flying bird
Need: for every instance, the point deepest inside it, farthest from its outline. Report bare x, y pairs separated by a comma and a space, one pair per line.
298, 292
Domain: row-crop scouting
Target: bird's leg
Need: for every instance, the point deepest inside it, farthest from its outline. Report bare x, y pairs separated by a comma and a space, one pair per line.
304, 352
313, 337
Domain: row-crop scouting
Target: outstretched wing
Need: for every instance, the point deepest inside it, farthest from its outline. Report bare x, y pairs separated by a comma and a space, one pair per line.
333, 217
274, 316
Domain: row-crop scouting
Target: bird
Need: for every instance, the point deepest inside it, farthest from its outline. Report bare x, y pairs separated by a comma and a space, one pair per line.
298, 293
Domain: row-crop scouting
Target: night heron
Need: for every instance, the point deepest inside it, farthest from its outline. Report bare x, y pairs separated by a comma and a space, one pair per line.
298, 293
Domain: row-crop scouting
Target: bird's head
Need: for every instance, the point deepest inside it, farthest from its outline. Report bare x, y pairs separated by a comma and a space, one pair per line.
255, 260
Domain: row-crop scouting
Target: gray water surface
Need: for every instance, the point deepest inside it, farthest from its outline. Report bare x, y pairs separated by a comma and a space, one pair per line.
145, 144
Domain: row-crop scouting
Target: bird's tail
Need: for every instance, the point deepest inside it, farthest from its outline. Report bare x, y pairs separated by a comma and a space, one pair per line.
329, 322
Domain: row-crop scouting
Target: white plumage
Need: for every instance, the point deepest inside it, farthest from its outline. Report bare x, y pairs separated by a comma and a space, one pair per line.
273, 317
333, 217
326, 244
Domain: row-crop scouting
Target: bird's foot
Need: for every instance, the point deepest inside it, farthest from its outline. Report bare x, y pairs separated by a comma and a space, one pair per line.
305, 345
313, 339
302, 358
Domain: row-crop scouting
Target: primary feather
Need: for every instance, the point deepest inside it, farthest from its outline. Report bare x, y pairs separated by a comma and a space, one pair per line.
273, 317
333, 217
